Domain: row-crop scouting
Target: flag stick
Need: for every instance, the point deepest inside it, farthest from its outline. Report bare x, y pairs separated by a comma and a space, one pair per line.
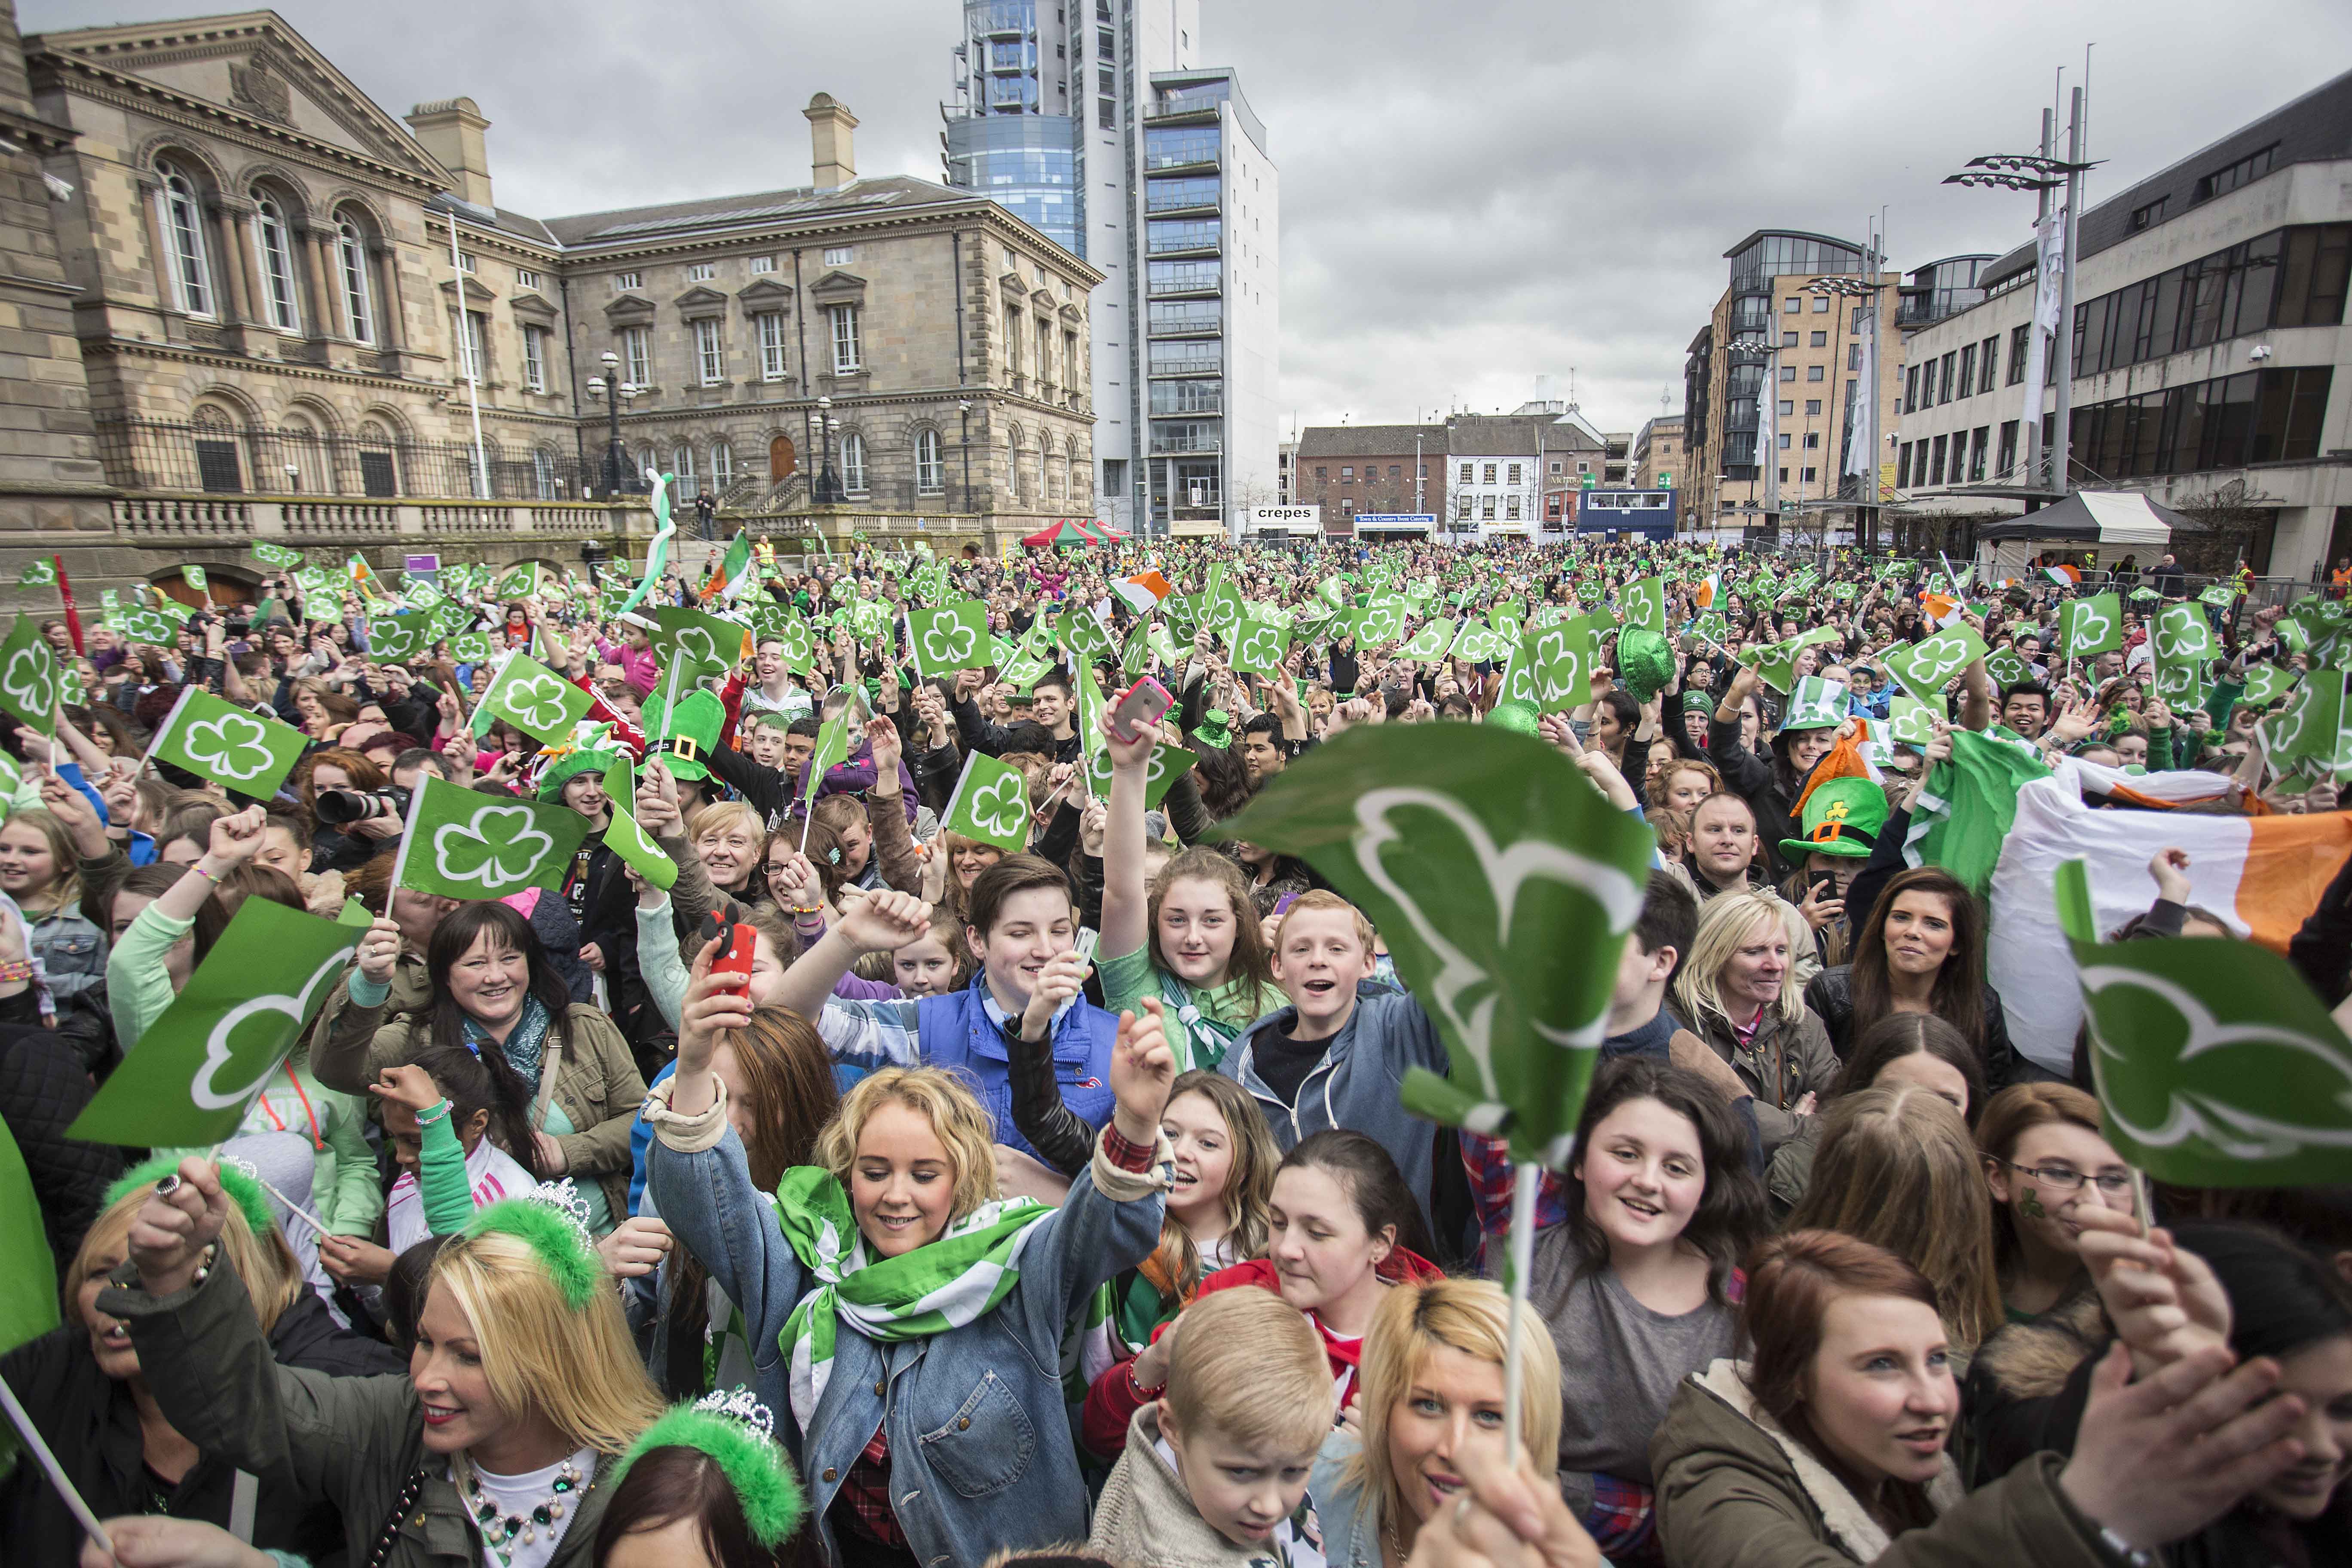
307, 1217
1523, 1249
73, 1499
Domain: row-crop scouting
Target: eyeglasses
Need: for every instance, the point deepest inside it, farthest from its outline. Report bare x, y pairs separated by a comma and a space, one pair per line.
2114, 1183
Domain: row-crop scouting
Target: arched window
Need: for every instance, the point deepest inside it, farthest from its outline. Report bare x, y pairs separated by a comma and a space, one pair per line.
1013, 461
542, 471
351, 262
220, 467
852, 463
931, 473
1043, 443
682, 460
379, 474
275, 243
722, 466
646, 464
302, 461
183, 233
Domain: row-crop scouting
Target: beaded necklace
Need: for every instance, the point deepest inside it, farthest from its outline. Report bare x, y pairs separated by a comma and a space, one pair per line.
504, 1531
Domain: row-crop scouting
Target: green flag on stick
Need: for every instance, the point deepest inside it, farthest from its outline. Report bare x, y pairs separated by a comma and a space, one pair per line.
463, 843
707, 644
1478, 643
1927, 666
832, 750
990, 805
1431, 642
2265, 684
276, 556
626, 838
2183, 632
145, 627
1776, 663
2007, 668
1381, 622
520, 583
1168, 764
1514, 961
2216, 1065
194, 576
472, 647
1076, 629
232, 746
395, 638
1259, 647
28, 677
203, 1062
1644, 604
1912, 721
953, 637
534, 698
2089, 627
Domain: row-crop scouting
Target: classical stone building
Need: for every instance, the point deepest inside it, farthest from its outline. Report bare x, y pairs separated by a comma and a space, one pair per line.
278, 339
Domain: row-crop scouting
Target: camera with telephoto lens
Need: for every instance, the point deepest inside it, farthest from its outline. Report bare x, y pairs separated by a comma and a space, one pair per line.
341, 807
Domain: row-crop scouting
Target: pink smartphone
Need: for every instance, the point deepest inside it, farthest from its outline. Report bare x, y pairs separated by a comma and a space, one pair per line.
1141, 703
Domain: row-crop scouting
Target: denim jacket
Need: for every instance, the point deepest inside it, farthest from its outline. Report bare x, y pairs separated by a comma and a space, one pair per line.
981, 1457
1350, 1518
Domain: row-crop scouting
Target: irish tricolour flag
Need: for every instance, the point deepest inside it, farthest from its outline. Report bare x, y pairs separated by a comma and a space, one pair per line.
2065, 576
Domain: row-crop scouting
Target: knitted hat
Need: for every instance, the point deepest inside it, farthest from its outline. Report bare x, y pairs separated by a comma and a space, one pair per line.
1843, 817
682, 736
1645, 663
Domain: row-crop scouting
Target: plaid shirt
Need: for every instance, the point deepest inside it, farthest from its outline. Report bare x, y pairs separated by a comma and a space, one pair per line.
866, 1490
1489, 1162
1622, 1521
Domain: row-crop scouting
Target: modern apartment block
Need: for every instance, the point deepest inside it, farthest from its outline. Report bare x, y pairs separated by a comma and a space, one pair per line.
2208, 331
1099, 126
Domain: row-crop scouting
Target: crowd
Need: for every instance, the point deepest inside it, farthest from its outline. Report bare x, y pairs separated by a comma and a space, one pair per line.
1050, 1192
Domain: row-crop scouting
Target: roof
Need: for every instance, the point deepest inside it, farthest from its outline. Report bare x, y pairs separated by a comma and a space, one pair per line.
627, 224
1495, 435
2103, 517
1368, 440
2312, 128
520, 225
1792, 233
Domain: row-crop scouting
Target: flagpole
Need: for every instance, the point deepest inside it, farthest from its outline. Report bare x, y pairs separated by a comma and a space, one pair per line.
1523, 1248
58, 1478
468, 358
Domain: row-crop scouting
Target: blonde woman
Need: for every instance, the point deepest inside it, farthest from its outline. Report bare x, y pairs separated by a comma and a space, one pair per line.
1433, 1387
896, 1234
732, 838
524, 1389
1739, 992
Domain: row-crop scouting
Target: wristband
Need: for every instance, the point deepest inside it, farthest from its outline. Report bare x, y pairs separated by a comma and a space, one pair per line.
1142, 1391
439, 1111
198, 867
19, 969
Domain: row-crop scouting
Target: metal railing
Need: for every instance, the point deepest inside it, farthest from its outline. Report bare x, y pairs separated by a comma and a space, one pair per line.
240, 460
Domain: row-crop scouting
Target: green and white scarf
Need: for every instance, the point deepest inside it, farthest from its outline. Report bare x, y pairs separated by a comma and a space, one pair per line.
941, 1285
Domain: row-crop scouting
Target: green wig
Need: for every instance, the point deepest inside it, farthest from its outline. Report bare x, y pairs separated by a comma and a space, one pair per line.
754, 1465
553, 1223
243, 1190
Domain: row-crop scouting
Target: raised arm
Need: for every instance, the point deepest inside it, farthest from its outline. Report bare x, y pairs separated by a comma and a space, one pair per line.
1126, 912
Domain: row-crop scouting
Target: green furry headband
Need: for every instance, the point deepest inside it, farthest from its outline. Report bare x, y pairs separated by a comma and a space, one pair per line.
553, 1221
734, 1430
240, 1184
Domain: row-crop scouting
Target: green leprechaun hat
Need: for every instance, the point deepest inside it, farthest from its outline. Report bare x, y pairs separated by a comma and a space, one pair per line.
590, 750
1215, 728
682, 736
1645, 663
1843, 817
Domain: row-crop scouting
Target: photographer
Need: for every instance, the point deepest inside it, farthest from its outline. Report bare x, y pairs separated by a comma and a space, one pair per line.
353, 811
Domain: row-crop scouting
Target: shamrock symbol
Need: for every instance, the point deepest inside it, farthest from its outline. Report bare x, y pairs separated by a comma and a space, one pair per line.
499, 847
1521, 687
516, 584
1938, 659
947, 642
2286, 725
1381, 621
473, 648
2175, 680
388, 639
234, 746
694, 644
2092, 625
536, 702
2185, 632
219, 1052
1000, 808
1261, 650
30, 681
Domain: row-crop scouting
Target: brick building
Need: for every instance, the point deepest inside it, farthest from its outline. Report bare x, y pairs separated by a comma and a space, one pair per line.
1351, 470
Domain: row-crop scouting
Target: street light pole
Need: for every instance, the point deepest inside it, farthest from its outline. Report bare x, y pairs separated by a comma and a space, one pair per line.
964, 418
608, 387
1768, 458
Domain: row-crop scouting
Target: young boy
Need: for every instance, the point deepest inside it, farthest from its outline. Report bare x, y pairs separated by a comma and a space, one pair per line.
1215, 1470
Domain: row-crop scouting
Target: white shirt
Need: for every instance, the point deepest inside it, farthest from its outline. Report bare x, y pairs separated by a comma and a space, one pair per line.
491, 1172
518, 1495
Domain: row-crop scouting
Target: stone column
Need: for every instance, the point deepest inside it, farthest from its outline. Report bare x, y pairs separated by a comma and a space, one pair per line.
310, 263
226, 220
323, 268
395, 305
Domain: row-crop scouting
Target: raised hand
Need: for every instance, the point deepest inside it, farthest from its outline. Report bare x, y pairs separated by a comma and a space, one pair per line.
236, 838
379, 951
884, 922
1142, 1069
1135, 753
407, 1085
635, 1247
882, 735
2170, 869
172, 1230
1062, 977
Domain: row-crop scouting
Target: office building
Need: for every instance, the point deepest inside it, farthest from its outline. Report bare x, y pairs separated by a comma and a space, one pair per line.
1658, 456
2208, 305
1101, 128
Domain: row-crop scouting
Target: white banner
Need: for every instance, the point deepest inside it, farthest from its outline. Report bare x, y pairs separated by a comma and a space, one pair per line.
2050, 246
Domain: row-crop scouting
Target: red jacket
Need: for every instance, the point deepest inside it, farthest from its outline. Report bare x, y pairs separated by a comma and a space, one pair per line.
1113, 1400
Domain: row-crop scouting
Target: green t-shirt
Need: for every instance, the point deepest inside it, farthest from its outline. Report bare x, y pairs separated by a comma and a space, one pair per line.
1200, 1024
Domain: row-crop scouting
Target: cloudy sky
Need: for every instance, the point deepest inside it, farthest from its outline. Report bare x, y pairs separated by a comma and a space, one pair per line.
1476, 193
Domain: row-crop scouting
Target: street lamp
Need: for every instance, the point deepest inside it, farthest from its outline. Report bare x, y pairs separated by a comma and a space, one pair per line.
828, 488
1862, 442
613, 392
964, 418
1767, 450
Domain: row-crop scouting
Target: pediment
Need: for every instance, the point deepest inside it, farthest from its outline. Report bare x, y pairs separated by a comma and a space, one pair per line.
1045, 300
836, 284
631, 308
1072, 314
253, 66
1013, 283
702, 298
477, 291
766, 291
530, 303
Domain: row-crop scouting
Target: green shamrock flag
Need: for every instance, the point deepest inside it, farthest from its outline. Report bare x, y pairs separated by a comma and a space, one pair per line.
146, 626
1478, 643
1565, 656
2215, 1063
2314, 727
1076, 629
2183, 632
796, 643
463, 843
626, 838
953, 637
2088, 628
232, 746
1220, 606
520, 583
1086, 718
1912, 721
2007, 668
2265, 684
1644, 604
832, 751
1712, 625
194, 576
534, 698
699, 643
1136, 656
1381, 622
397, 638
448, 619
1431, 642
472, 647
276, 556
29, 678
1815, 704
869, 618
1927, 666
204, 1061
1520, 684
2183, 682
39, 573
1168, 764
1504, 885
423, 596
2220, 595
991, 804
1776, 663
1182, 613
1259, 647
70, 687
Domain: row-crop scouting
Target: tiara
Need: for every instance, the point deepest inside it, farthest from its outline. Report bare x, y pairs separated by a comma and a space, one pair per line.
739, 1404
565, 1198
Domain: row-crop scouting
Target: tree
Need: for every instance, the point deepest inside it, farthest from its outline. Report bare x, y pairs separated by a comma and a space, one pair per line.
2223, 526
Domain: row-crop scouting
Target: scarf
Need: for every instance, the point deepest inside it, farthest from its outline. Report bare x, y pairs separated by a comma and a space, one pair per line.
524, 1046
939, 1285
1212, 1020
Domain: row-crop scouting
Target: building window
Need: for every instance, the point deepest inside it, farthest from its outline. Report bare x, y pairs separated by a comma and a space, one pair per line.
763, 264
184, 231
710, 355
1787, 408
1853, 356
534, 358
1558, 467
2245, 171
845, 357
277, 249
1935, 461
472, 348
722, 466
1820, 339
1816, 372
931, 471
526, 278
701, 272
1396, 471
2149, 215
1788, 372
772, 345
1511, 508
1812, 440
682, 463
1788, 339
1820, 304
1812, 407
1785, 440
1515, 474
624, 281
2008, 458
840, 255
1486, 508
1466, 473
1811, 475
1489, 472
1792, 305
1903, 466
1977, 445
1348, 474
542, 472
636, 355
1461, 507
1968, 369
465, 262
350, 258
852, 463
1322, 475
1987, 358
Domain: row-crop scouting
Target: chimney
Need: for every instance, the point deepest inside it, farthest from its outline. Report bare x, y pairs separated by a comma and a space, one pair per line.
831, 153
452, 132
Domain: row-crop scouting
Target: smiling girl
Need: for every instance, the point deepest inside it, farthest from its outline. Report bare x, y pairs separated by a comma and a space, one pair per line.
2043, 1159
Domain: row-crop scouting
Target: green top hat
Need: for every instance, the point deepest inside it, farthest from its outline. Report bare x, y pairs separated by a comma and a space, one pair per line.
683, 736
1514, 716
1843, 817
1645, 663
1215, 728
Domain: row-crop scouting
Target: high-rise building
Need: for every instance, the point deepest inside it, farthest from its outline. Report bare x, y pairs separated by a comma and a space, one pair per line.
1101, 129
